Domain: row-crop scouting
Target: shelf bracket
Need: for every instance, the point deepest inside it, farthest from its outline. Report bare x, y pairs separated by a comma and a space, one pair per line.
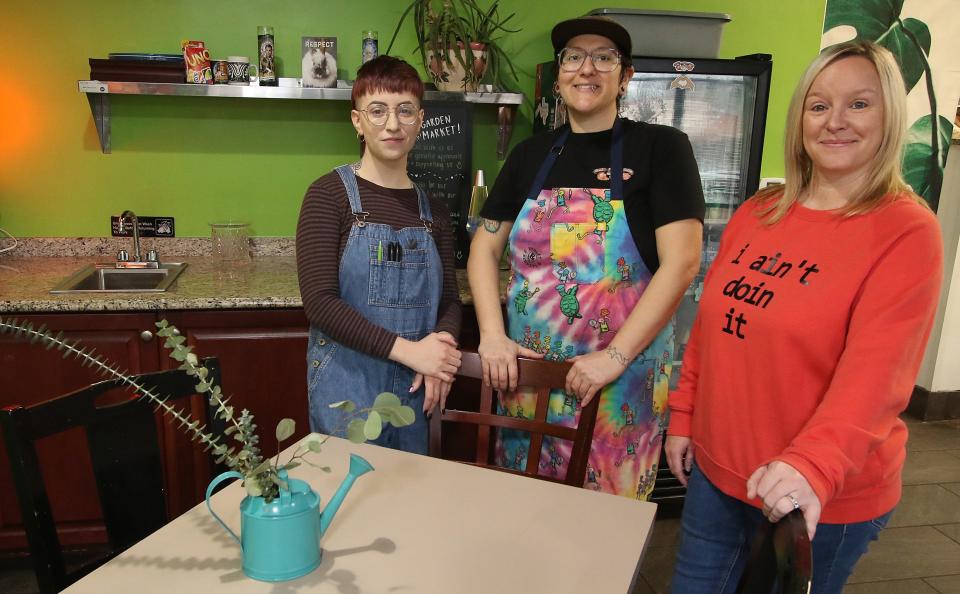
100, 107
505, 116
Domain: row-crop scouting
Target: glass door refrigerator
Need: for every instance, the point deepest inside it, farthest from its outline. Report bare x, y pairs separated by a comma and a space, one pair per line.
722, 107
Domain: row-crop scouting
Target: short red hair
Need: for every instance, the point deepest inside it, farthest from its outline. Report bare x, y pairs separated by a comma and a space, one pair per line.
386, 74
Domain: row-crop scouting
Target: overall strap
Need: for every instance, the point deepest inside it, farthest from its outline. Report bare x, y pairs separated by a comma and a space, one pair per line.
349, 179
425, 214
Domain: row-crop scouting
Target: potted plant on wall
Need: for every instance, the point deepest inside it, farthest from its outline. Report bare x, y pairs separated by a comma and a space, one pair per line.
278, 531
459, 43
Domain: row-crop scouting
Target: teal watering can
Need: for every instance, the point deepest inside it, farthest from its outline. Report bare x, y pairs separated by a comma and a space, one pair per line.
280, 540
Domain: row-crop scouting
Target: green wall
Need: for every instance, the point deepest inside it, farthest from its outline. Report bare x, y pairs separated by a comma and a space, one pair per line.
205, 159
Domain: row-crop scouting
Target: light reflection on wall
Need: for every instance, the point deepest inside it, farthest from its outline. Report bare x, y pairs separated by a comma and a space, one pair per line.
21, 127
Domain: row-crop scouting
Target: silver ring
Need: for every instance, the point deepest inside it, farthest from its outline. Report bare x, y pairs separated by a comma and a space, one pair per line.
793, 500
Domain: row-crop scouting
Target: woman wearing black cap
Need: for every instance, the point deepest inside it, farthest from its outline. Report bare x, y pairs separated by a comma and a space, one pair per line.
604, 218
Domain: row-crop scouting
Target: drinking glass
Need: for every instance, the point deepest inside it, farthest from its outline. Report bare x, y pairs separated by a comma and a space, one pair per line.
230, 241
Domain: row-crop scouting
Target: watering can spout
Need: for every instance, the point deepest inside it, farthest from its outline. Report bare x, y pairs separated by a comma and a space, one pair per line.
358, 467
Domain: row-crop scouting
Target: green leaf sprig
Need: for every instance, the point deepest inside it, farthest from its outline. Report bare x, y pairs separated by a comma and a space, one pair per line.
261, 476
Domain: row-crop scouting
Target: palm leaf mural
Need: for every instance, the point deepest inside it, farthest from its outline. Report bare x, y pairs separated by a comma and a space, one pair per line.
918, 153
909, 41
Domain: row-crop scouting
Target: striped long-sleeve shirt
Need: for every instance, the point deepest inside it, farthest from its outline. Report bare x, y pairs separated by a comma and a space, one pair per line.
322, 231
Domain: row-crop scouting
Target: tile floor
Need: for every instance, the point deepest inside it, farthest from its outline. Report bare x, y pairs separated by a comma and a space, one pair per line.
919, 552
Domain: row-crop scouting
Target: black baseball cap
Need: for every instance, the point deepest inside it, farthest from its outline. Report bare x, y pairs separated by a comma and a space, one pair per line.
591, 25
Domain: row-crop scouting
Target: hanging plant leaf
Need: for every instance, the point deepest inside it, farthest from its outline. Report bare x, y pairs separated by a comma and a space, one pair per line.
923, 169
879, 20
373, 426
386, 400
403, 416
285, 429
344, 405
387, 404
355, 431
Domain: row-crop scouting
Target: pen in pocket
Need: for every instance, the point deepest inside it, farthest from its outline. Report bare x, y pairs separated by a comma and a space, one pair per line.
379, 251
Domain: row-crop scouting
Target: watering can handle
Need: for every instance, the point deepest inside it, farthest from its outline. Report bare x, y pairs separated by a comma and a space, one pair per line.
213, 485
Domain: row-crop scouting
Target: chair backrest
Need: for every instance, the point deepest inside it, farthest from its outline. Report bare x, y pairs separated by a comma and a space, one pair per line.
781, 558
542, 376
125, 454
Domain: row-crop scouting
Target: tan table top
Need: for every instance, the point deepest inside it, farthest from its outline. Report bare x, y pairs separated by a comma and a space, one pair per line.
416, 524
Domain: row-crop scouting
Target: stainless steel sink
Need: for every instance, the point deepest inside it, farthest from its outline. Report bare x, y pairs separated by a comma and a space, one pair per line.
107, 278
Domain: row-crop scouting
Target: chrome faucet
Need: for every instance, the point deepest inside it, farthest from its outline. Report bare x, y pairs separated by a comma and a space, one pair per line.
128, 214
123, 258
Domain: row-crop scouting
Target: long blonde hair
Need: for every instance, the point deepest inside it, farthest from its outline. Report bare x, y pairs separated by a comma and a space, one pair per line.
884, 177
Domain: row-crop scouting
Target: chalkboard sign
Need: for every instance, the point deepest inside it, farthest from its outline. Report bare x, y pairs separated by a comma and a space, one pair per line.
441, 160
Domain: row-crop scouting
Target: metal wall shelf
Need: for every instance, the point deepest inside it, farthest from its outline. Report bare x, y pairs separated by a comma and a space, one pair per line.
98, 94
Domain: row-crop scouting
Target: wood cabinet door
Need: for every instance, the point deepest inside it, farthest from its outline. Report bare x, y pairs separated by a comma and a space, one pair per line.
262, 356
31, 374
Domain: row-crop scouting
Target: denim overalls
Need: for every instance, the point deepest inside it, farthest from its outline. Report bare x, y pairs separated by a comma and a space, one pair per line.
401, 294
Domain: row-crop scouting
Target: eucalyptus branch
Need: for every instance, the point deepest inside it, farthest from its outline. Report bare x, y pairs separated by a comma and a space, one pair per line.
88, 358
261, 476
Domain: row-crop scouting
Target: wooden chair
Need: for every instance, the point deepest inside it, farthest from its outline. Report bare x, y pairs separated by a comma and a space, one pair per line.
542, 376
781, 559
125, 454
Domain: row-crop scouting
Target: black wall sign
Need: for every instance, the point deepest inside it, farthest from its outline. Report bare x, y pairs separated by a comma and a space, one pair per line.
149, 227
441, 160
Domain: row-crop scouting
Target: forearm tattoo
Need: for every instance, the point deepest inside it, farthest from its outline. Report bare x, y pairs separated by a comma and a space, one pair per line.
617, 356
491, 226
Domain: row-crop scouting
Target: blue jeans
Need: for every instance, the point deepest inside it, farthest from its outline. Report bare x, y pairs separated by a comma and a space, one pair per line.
715, 543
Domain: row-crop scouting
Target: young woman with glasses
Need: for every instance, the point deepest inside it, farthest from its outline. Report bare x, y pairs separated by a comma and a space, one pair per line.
375, 259
603, 218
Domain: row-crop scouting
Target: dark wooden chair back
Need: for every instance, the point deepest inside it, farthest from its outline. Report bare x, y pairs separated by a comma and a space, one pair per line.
781, 558
542, 376
125, 455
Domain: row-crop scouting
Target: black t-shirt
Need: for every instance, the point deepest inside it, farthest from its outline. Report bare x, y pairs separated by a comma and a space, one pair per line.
664, 184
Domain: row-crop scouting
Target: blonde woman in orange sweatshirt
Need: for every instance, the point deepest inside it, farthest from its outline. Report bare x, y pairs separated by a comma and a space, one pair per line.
810, 334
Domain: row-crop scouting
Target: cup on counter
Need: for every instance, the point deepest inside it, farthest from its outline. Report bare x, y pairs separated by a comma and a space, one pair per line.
230, 241
238, 70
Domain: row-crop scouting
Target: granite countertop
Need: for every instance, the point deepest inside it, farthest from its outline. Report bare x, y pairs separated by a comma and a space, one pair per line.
267, 281
207, 283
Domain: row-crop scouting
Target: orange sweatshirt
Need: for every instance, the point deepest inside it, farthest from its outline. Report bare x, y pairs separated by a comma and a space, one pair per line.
808, 341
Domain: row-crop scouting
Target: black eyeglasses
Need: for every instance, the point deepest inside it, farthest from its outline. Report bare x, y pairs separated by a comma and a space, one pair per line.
377, 114
571, 59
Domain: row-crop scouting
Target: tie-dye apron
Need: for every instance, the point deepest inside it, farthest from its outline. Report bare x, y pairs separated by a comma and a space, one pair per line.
577, 275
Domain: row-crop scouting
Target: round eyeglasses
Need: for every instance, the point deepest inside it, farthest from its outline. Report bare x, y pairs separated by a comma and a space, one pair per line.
377, 114
571, 59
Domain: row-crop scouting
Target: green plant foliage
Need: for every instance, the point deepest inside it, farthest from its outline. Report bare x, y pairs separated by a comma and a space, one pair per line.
345, 405
285, 429
918, 157
355, 431
373, 426
880, 21
261, 476
909, 41
445, 28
